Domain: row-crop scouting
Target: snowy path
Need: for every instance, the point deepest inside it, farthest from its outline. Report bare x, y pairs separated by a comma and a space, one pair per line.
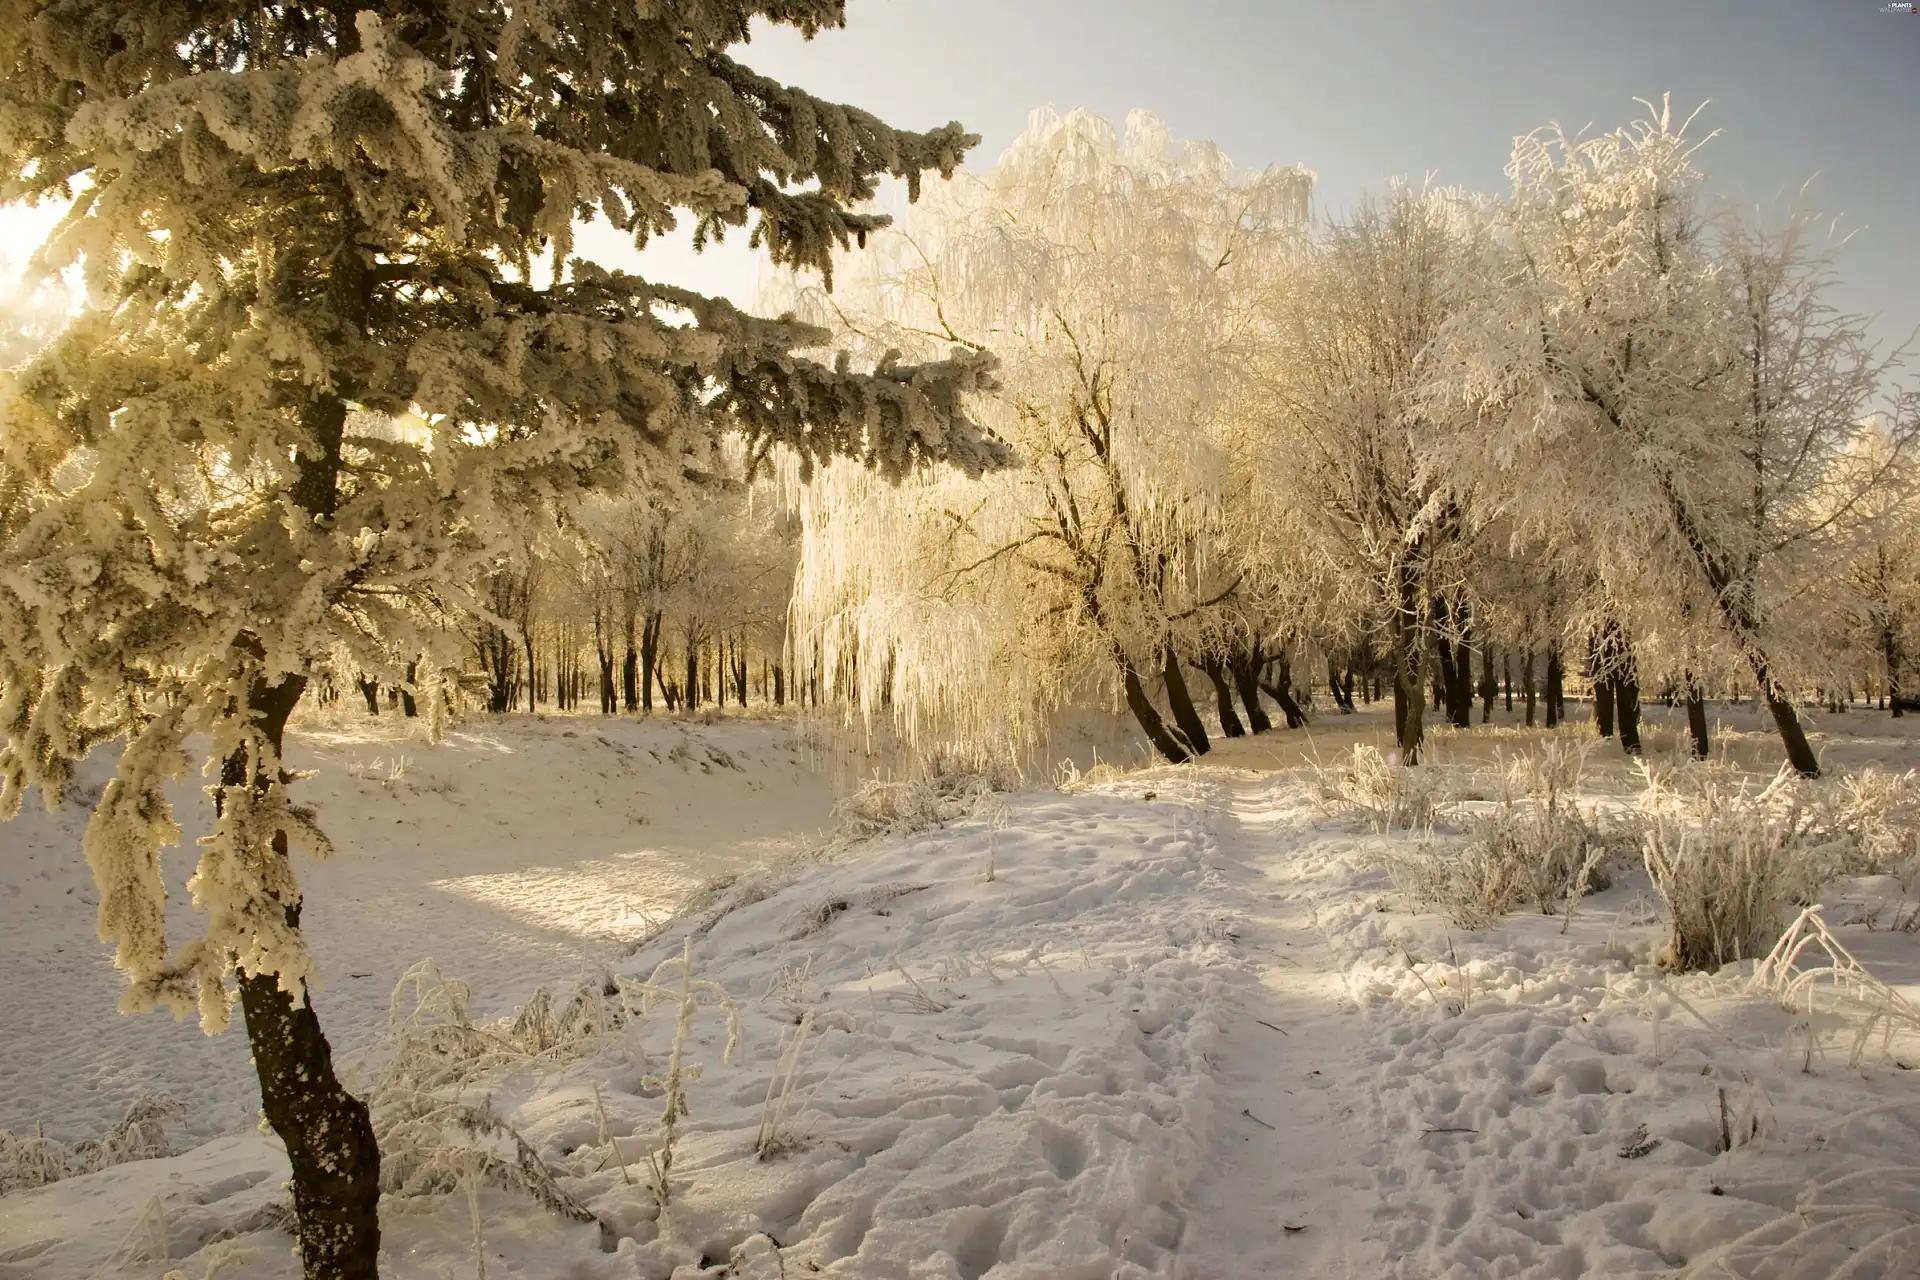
1287, 1182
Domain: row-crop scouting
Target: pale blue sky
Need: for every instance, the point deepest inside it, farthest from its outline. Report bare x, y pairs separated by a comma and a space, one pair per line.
1362, 92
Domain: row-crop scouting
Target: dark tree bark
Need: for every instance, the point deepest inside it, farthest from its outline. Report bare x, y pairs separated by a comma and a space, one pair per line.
1626, 705
1890, 654
370, 690
407, 706
1342, 696
326, 1130
690, 694
1406, 652
1556, 690
1280, 689
1506, 672
630, 670
1453, 672
779, 685
1407, 710
1603, 705
1191, 727
1793, 734
1616, 687
1697, 719
1245, 665
1148, 716
1460, 686
1489, 687
1526, 683
533, 672
1216, 672
649, 657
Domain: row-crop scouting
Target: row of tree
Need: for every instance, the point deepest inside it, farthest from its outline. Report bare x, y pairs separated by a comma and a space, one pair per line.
1590, 421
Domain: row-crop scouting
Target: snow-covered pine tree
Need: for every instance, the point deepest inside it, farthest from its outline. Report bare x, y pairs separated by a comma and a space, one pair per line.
296, 223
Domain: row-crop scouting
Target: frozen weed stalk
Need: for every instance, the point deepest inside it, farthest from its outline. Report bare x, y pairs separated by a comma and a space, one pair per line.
1841, 989
692, 993
774, 1138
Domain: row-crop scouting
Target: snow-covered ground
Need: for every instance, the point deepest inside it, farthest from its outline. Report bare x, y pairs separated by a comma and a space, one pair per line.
1173, 1023
514, 854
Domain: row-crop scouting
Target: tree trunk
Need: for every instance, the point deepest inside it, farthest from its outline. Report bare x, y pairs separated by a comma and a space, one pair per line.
533, 672
1489, 687
1245, 665
327, 1132
1281, 691
1342, 696
1603, 705
1406, 652
406, 691
370, 690
1223, 695
1792, 735
1626, 699
1460, 686
1506, 671
1184, 716
779, 685
1697, 719
1149, 716
1407, 712
1526, 683
649, 658
1556, 690
1890, 653
1616, 687
630, 670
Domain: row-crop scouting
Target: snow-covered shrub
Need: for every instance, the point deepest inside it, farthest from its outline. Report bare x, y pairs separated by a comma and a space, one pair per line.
1536, 846
30, 1161
889, 807
1387, 794
1559, 852
1461, 881
434, 1138
141, 1134
1728, 864
1875, 818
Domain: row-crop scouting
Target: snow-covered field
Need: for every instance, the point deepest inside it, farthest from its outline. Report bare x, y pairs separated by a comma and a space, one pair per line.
1171, 1023
512, 854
